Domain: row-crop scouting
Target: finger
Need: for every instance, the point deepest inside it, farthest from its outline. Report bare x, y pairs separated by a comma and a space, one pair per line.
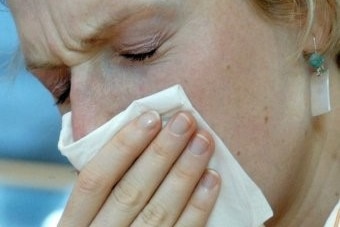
198, 210
98, 177
172, 196
143, 178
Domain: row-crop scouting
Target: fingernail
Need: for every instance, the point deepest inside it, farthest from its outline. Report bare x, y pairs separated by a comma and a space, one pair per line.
180, 124
148, 120
199, 144
209, 180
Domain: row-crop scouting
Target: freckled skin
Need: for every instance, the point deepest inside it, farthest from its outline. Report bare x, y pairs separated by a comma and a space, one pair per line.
234, 67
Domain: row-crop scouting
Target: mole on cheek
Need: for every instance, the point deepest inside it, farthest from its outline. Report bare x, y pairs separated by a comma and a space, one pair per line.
266, 119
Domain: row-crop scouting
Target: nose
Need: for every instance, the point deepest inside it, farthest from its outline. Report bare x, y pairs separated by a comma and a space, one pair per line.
92, 102
97, 95
100, 90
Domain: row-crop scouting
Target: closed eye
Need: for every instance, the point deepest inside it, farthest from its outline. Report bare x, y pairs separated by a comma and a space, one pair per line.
57, 81
64, 94
140, 56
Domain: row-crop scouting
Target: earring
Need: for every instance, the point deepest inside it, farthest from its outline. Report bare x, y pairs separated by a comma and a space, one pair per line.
319, 84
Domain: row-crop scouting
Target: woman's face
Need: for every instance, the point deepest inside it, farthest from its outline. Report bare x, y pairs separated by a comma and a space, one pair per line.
233, 65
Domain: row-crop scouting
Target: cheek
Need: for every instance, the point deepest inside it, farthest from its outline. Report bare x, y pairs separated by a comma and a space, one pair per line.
100, 91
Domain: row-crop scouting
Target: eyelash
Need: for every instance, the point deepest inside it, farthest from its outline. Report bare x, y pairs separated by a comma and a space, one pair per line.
61, 99
139, 57
62, 86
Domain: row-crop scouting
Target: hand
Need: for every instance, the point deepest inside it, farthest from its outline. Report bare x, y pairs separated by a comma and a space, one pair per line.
147, 176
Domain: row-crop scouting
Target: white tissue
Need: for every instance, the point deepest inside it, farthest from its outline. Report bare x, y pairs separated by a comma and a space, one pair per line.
333, 220
240, 202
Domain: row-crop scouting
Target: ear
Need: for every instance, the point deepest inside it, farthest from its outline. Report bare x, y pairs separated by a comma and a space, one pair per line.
321, 28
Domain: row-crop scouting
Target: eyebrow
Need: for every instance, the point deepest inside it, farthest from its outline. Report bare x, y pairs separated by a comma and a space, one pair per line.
31, 65
136, 9
127, 10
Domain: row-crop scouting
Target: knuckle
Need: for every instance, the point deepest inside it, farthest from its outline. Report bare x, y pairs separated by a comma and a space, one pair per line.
153, 215
182, 173
121, 143
159, 150
199, 208
89, 182
197, 215
127, 195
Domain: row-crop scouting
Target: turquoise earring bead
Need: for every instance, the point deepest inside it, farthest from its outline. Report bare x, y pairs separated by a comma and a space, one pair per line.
316, 60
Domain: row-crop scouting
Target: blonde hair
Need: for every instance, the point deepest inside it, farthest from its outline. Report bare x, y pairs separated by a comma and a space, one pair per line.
307, 13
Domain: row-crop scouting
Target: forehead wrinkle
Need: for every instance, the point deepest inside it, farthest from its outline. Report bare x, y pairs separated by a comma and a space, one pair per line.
124, 11
113, 12
123, 8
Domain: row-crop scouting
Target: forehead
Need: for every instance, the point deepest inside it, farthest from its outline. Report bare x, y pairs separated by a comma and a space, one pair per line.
118, 10
85, 22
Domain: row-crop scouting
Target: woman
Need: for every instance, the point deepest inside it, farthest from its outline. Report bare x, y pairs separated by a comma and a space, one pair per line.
245, 66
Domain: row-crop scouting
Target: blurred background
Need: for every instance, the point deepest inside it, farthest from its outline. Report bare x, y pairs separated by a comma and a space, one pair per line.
35, 180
